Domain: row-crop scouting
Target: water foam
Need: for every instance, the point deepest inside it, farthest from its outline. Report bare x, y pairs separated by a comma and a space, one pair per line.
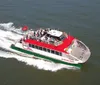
8, 30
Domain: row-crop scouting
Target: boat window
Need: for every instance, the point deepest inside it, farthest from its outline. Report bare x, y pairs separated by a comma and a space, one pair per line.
57, 53
44, 49
36, 47
48, 50
62, 37
60, 54
40, 48
30, 45
33, 46
52, 51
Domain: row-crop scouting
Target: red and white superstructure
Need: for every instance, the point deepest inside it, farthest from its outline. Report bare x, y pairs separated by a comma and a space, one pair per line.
54, 45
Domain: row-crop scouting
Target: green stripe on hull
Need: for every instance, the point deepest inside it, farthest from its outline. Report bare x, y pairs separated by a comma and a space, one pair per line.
42, 56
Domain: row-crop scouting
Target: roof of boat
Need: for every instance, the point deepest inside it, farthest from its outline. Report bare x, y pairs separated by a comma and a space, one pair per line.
55, 33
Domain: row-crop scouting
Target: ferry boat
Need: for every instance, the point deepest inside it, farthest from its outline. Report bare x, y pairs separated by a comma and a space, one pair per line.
53, 45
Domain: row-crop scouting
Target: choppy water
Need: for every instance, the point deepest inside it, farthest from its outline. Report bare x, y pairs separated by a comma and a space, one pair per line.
77, 17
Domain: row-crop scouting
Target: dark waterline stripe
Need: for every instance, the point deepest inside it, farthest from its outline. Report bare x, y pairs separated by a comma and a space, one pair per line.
44, 57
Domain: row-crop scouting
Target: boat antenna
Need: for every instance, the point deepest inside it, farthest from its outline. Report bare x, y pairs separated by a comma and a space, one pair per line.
69, 35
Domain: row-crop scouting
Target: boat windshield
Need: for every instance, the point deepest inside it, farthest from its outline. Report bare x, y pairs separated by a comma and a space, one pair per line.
62, 37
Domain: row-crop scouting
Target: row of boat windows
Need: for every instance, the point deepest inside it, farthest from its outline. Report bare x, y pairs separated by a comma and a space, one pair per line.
45, 49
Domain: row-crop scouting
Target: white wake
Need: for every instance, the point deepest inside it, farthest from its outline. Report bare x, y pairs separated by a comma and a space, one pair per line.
8, 30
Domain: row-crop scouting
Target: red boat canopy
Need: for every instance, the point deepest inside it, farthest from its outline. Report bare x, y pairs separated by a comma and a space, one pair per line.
60, 48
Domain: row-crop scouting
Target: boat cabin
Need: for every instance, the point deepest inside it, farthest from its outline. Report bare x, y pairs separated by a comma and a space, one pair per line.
48, 36
56, 34
54, 37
